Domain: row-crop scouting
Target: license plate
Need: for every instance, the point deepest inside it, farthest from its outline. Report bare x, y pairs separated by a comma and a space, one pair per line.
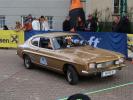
108, 73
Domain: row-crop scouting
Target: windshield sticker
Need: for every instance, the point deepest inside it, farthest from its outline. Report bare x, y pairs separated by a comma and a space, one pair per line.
43, 61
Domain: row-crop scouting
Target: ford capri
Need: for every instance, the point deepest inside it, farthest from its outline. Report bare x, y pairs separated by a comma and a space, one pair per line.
69, 54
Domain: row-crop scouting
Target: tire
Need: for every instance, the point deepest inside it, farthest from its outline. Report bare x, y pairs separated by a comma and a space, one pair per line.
79, 97
27, 62
71, 75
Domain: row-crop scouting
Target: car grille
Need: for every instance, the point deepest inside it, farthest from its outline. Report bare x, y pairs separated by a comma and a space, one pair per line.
109, 63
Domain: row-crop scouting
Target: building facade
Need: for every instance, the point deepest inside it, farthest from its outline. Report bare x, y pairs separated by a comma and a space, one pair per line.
106, 9
56, 10
14, 10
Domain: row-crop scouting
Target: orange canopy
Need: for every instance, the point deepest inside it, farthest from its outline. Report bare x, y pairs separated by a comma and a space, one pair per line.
75, 4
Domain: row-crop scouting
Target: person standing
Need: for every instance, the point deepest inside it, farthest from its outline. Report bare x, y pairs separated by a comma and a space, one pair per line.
36, 24
5, 27
125, 25
116, 26
18, 26
80, 26
91, 24
76, 10
28, 23
44, 24
121, 24
66, 24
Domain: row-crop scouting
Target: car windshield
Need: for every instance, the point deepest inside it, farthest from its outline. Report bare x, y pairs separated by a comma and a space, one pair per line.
68, 41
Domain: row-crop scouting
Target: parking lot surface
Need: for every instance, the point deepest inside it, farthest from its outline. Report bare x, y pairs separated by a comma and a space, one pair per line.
18, 83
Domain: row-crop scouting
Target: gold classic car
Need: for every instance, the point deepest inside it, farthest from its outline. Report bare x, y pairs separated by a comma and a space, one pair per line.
69, 54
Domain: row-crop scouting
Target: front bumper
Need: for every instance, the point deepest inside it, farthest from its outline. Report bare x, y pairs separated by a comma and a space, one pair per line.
100, 70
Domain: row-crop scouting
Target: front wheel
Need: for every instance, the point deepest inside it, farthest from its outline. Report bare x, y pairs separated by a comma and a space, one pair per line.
71, 75
27, 62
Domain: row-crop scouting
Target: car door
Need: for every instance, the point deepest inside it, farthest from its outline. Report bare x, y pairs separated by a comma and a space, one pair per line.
46, 53
46, 56
34, 49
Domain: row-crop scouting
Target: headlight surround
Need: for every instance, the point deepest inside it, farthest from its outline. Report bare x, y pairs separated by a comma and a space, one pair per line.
100, 65
117, 62
121, 60
92, 65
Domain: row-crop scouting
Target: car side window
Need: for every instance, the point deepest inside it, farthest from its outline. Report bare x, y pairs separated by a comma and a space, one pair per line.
35, 41
45, 43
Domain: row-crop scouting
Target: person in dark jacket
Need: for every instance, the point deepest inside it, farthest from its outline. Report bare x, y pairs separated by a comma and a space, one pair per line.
80, 26
5, 27
116, 24
91, 24
125, 25
121, 25
66, 24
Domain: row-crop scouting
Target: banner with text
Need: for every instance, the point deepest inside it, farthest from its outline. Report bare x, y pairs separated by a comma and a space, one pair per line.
107, 40
11, 38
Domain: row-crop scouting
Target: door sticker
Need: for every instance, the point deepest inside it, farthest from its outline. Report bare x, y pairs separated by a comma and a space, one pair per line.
43, 61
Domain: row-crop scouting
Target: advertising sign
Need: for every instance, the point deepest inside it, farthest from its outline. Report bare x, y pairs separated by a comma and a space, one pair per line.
130, 45
107, 40
11, 38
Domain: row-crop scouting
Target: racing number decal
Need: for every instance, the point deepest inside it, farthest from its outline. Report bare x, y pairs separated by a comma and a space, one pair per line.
43, 61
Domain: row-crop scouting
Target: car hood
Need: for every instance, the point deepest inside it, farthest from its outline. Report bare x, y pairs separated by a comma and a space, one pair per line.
87, 53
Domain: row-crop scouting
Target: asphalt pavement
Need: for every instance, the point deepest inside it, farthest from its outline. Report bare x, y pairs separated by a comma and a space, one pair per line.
18, 83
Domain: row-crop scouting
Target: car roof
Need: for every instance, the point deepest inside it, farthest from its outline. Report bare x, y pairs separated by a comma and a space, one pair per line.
54, 34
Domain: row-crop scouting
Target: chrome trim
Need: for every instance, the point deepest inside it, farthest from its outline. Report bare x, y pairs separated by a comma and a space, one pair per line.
84, 72
42, 54
48, 67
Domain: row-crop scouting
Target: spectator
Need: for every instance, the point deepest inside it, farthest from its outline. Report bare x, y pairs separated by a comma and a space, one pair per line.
5, 27
66, 24
36, 24
125, 25
44, 24
116, 24
91, 24
98, 25
41, 20
80, 24
29, 18
28, 23
121, 25
27, 26
18, 26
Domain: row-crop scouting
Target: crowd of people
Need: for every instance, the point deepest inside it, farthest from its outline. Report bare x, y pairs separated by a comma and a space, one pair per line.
90, 25
76, 20
120, 24
33, 23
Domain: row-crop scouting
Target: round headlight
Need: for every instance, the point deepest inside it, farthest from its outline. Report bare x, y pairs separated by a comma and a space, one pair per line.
92, 65
99, 66
121, 60
117, 62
